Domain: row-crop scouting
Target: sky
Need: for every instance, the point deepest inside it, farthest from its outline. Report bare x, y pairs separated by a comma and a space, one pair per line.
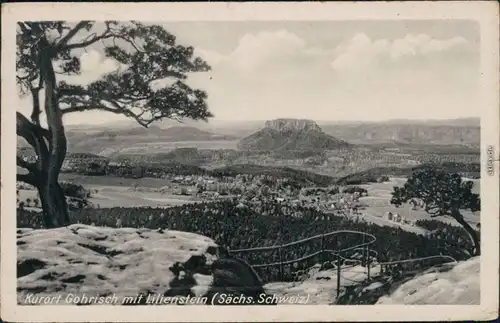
325, 71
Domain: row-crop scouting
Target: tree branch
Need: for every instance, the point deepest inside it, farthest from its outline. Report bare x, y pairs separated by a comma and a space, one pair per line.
23, 27
28, 179
34, 135
89, 42
35, 114
23, 124
118, 110
62, 43
71, 92
81, 108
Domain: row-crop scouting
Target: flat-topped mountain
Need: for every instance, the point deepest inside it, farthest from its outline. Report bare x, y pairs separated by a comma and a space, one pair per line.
290, 134
292, 125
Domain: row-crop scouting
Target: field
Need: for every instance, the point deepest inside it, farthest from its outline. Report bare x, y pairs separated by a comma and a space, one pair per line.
379, 195
122, 192
116, 196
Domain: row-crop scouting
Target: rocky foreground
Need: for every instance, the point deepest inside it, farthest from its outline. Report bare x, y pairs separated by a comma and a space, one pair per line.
96, 261
81, 265
458, 286
449, 284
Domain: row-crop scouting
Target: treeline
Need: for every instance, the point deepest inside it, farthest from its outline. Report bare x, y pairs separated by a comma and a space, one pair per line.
137, 169
276, 172
377, 174
155, 170
194, 156
129, 169
236, 226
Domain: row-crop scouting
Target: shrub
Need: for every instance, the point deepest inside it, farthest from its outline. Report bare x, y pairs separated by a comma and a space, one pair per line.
75, 190
383, 178
355, 189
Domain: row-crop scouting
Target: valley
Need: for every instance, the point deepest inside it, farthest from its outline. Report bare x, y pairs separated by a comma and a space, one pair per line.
329, 162
174, 179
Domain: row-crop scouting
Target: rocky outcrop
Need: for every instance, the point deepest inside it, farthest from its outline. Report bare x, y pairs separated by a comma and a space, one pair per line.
290, 134
441, 285
82, 260
445, 284
235, 282
88, 265
292, 125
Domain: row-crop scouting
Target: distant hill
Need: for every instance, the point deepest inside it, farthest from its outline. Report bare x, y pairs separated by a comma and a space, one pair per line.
462, 132
176, 133
187, 156
464, 122
290, 134
195, 134
81, 140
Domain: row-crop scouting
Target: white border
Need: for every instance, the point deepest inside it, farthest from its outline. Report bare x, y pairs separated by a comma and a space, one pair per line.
486, 13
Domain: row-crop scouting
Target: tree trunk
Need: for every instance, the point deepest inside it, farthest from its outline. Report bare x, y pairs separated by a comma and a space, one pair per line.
52, 200
57, 208
54, 205
49, 159
470, 231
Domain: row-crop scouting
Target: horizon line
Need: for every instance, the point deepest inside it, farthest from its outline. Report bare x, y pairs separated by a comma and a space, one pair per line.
187, 121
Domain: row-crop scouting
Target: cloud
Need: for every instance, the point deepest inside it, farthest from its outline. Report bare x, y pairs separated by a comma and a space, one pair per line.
261, 50
93, 61
285, 50
280, 74
93, 65
212, 57
361, 51
423, 45
440, 46
253, 50
268, 72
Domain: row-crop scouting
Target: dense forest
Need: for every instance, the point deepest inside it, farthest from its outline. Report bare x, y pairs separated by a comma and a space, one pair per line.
236, 226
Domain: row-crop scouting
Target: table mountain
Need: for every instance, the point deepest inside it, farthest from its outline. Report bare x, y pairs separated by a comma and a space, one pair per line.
290, 134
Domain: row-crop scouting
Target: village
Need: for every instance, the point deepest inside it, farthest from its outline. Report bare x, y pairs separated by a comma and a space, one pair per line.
254, 190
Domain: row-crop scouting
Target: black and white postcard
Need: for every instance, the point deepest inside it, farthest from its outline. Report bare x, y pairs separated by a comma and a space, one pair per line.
190, 162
